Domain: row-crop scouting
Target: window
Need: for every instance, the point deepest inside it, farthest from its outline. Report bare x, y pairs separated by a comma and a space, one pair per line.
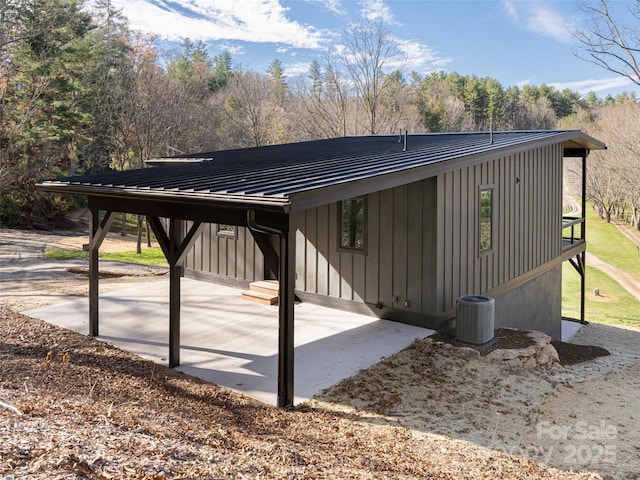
486, 219
352, 225
226, 230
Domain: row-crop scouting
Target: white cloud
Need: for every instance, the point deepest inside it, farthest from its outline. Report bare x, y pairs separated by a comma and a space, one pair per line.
246, 20
510, 9
592, 85
334, 6
293, 70
377, 10
549, 23
541, 18
419, 57
233, 49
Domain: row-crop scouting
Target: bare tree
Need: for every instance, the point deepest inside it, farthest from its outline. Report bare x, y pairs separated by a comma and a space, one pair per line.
325, 101
250, 106
611, 42
368, 50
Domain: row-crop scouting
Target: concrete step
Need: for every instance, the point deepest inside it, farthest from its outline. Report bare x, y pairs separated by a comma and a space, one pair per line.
260, 297
265, 286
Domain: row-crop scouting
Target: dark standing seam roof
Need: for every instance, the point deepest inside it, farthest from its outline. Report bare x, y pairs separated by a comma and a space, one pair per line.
275, 175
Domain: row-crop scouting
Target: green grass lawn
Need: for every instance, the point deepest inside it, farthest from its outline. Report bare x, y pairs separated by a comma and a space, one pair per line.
615, 306
606, 242
149, 256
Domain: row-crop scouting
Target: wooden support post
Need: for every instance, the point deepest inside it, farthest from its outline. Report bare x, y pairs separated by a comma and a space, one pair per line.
175, 272
286, 316
93, 274
175, 247
583, 278
98, 231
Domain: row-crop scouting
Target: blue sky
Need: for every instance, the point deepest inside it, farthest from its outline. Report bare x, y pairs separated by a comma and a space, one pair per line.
515, 42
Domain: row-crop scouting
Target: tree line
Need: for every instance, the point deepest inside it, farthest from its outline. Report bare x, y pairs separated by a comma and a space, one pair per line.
81, 92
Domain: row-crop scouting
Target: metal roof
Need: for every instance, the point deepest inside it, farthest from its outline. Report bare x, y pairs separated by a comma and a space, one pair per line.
302, 175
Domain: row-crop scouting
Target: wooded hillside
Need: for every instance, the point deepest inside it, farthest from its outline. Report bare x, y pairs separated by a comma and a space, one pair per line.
81, 92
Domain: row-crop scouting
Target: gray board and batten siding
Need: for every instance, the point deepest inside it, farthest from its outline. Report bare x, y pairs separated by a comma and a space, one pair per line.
422, 244
422, 204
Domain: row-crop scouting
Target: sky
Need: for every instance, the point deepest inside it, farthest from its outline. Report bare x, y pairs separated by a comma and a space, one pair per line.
517, 42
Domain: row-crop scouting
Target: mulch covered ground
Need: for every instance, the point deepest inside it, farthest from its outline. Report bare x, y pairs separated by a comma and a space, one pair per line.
73, 407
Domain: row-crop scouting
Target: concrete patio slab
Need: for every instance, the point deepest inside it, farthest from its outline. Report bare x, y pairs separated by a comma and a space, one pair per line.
569, 329
234, 343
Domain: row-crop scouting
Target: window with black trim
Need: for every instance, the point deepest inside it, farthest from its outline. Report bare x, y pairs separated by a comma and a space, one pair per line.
486, 219
352, 225
225, 230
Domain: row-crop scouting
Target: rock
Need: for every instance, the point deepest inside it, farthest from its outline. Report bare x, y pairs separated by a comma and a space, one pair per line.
551, 351
468, 352
514, 362
540, 338
543, 359
502, 354
530, 362
527, 352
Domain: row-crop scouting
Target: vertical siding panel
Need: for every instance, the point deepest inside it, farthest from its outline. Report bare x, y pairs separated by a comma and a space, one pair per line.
222, 254
301, 249
241, 260
430, 255
414, 246
205, 238
534, 205
559, 190
346, 281
513, 239
399, 232
310, 253
259, 271
232, 263
322, 235
386, 246
542, 202
467, 231
458, 213
249, 256
528, 211
373, 249
541, 205
359, 281
334, 256
448, 254
495, 256
491, 257
546, 200
502, 201
485, 261
439, 247
473, 248
518, 252
215, 249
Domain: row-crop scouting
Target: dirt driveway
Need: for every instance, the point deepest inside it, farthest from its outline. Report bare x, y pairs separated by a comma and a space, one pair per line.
30, 280
582, 417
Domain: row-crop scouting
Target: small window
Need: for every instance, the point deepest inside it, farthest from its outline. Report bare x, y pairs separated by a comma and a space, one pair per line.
226, 230
486, 219
352, 226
